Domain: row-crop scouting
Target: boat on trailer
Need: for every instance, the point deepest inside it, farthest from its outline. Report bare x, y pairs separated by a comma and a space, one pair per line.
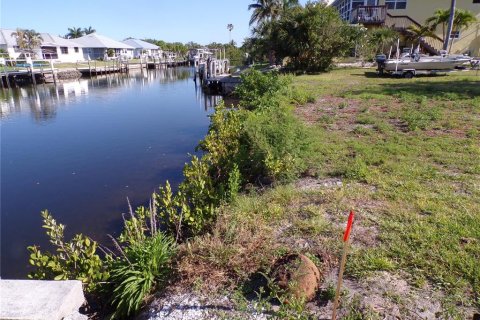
410, 64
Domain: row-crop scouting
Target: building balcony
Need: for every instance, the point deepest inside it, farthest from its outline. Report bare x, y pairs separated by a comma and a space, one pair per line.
369, 15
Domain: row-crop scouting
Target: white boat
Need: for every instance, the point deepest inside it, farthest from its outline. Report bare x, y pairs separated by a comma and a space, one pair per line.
418, 62
422, 62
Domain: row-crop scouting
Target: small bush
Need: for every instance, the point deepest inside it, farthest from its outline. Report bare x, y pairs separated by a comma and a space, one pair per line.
76, 259
261, 90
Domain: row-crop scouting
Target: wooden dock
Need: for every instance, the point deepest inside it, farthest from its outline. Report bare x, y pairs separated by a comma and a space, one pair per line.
21, 75
27, 76
222, 84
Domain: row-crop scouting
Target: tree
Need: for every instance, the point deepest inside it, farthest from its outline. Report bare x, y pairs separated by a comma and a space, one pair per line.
310, 37
415, 33
440, 17
462, 20
230, 28
89, 30
381, 37
19, 36
74, 33
266, 10
28, 40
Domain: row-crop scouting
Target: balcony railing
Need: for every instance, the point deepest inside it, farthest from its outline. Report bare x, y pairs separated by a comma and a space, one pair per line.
369, 15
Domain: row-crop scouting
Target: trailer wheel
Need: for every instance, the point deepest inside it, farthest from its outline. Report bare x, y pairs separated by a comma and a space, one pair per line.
408, 75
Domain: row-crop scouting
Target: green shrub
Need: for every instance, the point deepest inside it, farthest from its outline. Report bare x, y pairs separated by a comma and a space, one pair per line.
274, 145
261, 90
76, 259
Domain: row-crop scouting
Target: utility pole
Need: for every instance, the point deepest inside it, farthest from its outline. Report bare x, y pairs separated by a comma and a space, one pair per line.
450, 25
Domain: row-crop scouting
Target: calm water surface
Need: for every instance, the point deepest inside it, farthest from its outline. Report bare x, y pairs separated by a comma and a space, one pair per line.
80, 148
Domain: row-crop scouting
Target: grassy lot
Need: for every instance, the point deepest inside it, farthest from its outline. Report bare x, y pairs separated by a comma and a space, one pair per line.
405, 155
417, 144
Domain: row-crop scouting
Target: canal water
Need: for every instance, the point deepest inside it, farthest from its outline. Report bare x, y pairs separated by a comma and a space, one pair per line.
81, 148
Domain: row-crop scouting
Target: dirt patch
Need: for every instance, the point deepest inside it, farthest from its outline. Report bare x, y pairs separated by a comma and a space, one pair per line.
311, 184
386, 295
196, 306
335, 112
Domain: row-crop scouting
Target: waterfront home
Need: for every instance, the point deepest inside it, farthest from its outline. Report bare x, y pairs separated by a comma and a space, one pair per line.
143, 48
197, 55
400, 14
96, 46
169, 56
60, 49
51, 47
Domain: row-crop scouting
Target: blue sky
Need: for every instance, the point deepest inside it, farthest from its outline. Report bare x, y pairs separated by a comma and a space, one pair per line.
202, 21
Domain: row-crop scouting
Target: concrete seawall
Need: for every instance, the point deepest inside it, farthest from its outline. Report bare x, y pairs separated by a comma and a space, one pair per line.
41, 300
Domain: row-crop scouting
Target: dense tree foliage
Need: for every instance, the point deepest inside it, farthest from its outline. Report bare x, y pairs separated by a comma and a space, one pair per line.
308, 37
74, 33
268, 10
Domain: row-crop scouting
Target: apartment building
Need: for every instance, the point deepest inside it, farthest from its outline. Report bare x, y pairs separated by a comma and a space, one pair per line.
399, 14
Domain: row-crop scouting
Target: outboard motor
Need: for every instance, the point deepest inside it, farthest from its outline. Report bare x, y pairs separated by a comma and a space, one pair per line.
380, 59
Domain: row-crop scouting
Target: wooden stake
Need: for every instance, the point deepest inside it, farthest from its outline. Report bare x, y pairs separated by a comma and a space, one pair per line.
346, 243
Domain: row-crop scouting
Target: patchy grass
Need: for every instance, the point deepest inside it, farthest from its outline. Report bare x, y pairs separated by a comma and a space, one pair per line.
406, 153
422, 157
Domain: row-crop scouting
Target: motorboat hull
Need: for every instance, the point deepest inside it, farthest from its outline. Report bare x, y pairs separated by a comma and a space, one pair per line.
427, 63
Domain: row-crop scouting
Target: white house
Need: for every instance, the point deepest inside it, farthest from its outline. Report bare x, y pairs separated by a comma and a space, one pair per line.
9, 43
60, 49
51, 47
143, 48
96, 46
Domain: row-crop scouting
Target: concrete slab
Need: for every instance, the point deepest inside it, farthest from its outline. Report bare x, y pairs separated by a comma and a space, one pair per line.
39, 299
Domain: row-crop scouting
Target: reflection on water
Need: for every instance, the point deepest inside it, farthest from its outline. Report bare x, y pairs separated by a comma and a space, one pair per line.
42, 101
80, 148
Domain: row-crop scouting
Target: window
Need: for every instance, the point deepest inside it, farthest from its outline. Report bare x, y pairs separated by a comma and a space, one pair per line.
64, 50
357, 3
396, 4
455, 35
76, 49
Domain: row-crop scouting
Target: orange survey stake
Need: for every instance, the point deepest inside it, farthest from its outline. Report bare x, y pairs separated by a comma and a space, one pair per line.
346, 235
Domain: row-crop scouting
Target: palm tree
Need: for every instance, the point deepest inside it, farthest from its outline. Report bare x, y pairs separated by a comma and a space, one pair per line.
74, 33
89, 30
266, 10
415, 33
463, 19
28, 40
440, 17
382, 36
19, 36
230, 28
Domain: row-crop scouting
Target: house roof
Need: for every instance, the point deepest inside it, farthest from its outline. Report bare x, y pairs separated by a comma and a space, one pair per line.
140, 44
94, 40
56, 41
6, 37
49, 40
